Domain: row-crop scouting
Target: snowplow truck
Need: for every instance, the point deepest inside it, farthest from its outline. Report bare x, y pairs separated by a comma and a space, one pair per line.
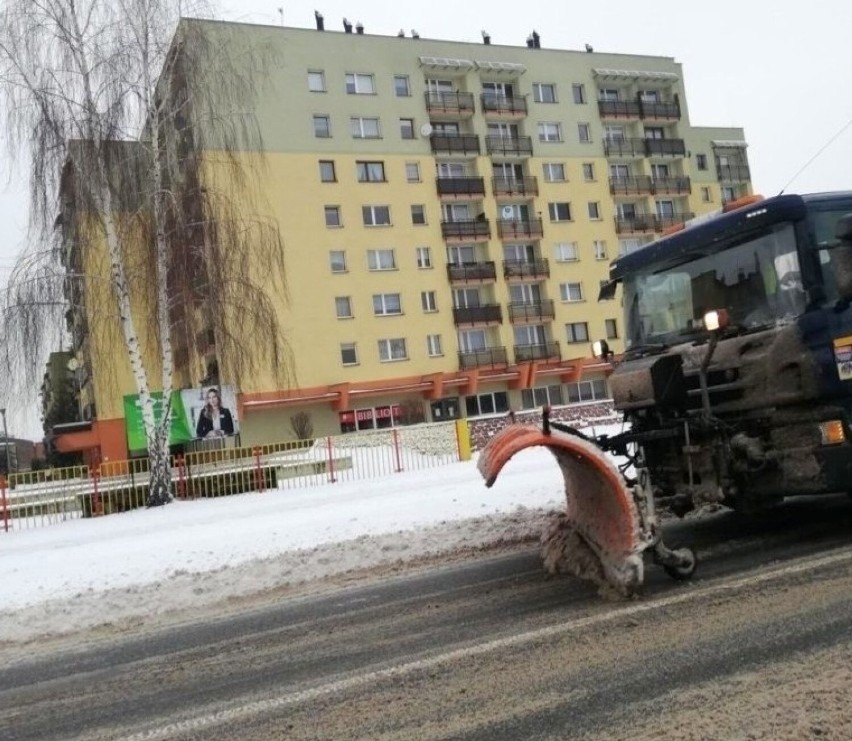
735, 385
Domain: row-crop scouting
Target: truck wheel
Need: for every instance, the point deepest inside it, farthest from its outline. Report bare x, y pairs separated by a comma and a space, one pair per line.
686, 568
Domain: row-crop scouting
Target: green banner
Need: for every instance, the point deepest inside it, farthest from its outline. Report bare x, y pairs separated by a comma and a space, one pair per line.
181, 431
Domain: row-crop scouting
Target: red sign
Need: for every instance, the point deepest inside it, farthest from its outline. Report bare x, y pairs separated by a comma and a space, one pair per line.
363, 415
346, 417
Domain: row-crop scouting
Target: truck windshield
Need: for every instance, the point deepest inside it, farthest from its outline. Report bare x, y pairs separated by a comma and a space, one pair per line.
757, 281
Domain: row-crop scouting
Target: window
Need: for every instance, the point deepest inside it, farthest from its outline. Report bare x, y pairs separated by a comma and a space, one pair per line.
571, 291
554, 172
386, 304
588, 171
424, 257
701, 161
364, 128
578, 92
370, 172
584, 132
401, 87
433, 345
381, 260
577, 331
613, 133
559, 211
360, 84
316, 81
326, 168
428, 301
412, 172
542, 396
728, 193
332, 216
322, 127
600, 249
418, 214
337, 261
594, 211
544, 92
494, 403
611, 329
376, 215
343, 307
626, 246
394, 349
550, 132
406, 128
348, 353
566, 252
586, 391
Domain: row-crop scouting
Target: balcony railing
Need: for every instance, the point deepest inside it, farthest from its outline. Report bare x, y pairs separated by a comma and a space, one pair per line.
488, 357
618, 108
544, 351
443, 143
449, 102
515, 146
523, 186
733, 173
461, 186
645, 109
471, 229
531, 311
637, 223
664, 222
671, 186
667, 147
485, 314
630, 186
539, 268
504, 104
471, 272
512, 229
624, 147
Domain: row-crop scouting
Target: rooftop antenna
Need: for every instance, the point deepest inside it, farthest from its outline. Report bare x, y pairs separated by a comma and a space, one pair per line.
281, 13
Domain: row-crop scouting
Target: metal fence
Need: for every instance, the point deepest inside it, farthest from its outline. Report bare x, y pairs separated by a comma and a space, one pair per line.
39, 498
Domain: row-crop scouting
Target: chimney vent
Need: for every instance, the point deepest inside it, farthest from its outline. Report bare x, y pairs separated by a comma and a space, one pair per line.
486, 38
359, 27
536, 40
347, 26
319, 20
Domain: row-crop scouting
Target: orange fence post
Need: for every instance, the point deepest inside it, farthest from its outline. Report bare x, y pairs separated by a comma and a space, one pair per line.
396, 450
4, 504
329, 447
97, 506
181, 483
258, 470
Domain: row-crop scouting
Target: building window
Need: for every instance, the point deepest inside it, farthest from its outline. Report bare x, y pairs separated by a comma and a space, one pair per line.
322, 126
626, 246
424, 257
586, 391
386, 304
337, 261
493, 403
705, 194
610, 95
729, 193
566, 252
348, 353
571, 291
541, 396
584, 132
360, 84
364, 128
406, 128
316, 81
412, 172
370, 172
578, 92
588, 171
611, 329
392, 350
559, 211
428, 301
381, 260
600, 249
343, 307
376, 215
327, 174
594, 211
554, 172
550, 132
332, 216
433, 345
577, 331
401, 87
701, 161
418, 214
544, 92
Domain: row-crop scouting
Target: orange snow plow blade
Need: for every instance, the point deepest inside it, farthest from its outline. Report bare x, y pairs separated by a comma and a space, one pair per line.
598, 536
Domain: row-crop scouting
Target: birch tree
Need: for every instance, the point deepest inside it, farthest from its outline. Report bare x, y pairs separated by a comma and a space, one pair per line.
123, 100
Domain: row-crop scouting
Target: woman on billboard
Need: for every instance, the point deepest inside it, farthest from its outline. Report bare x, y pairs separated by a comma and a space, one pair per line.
214, 420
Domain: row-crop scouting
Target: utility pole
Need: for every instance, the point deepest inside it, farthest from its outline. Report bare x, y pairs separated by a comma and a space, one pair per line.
6, 441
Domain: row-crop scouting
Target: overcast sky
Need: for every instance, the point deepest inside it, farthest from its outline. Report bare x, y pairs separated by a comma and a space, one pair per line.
781, 70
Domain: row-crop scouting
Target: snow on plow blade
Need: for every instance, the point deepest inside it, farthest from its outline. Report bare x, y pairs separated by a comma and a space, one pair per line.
598, 536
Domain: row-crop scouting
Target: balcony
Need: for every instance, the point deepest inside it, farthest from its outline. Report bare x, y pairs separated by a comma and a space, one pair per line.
453, 104
733, 173
525, 186
619, 109
461, 186
454, 143
470, 230
665, 147
664, 222
514, 229
624, 147
485, 314
544, 351
635, 147
503, 105
659, 110
531, 311
472, 272
539, 268
487, 358
631, 186
676, 186
506, 146
640, 223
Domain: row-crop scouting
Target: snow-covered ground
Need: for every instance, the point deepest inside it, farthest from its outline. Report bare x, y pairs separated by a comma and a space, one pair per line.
141, 565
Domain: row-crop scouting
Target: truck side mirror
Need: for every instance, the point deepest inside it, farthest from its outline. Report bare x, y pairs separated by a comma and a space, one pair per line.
841, 257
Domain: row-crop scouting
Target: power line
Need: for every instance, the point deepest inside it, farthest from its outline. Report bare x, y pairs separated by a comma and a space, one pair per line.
819, 152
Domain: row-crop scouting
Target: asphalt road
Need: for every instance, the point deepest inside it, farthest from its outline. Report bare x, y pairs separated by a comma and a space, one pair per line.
490, 649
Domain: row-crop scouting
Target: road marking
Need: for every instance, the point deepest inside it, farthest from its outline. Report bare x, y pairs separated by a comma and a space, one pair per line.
229, 715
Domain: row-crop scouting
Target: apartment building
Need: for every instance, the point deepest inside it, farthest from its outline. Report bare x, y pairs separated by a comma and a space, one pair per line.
449, 211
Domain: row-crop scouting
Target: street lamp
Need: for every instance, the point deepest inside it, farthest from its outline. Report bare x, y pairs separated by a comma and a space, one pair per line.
73, 365
6, 442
